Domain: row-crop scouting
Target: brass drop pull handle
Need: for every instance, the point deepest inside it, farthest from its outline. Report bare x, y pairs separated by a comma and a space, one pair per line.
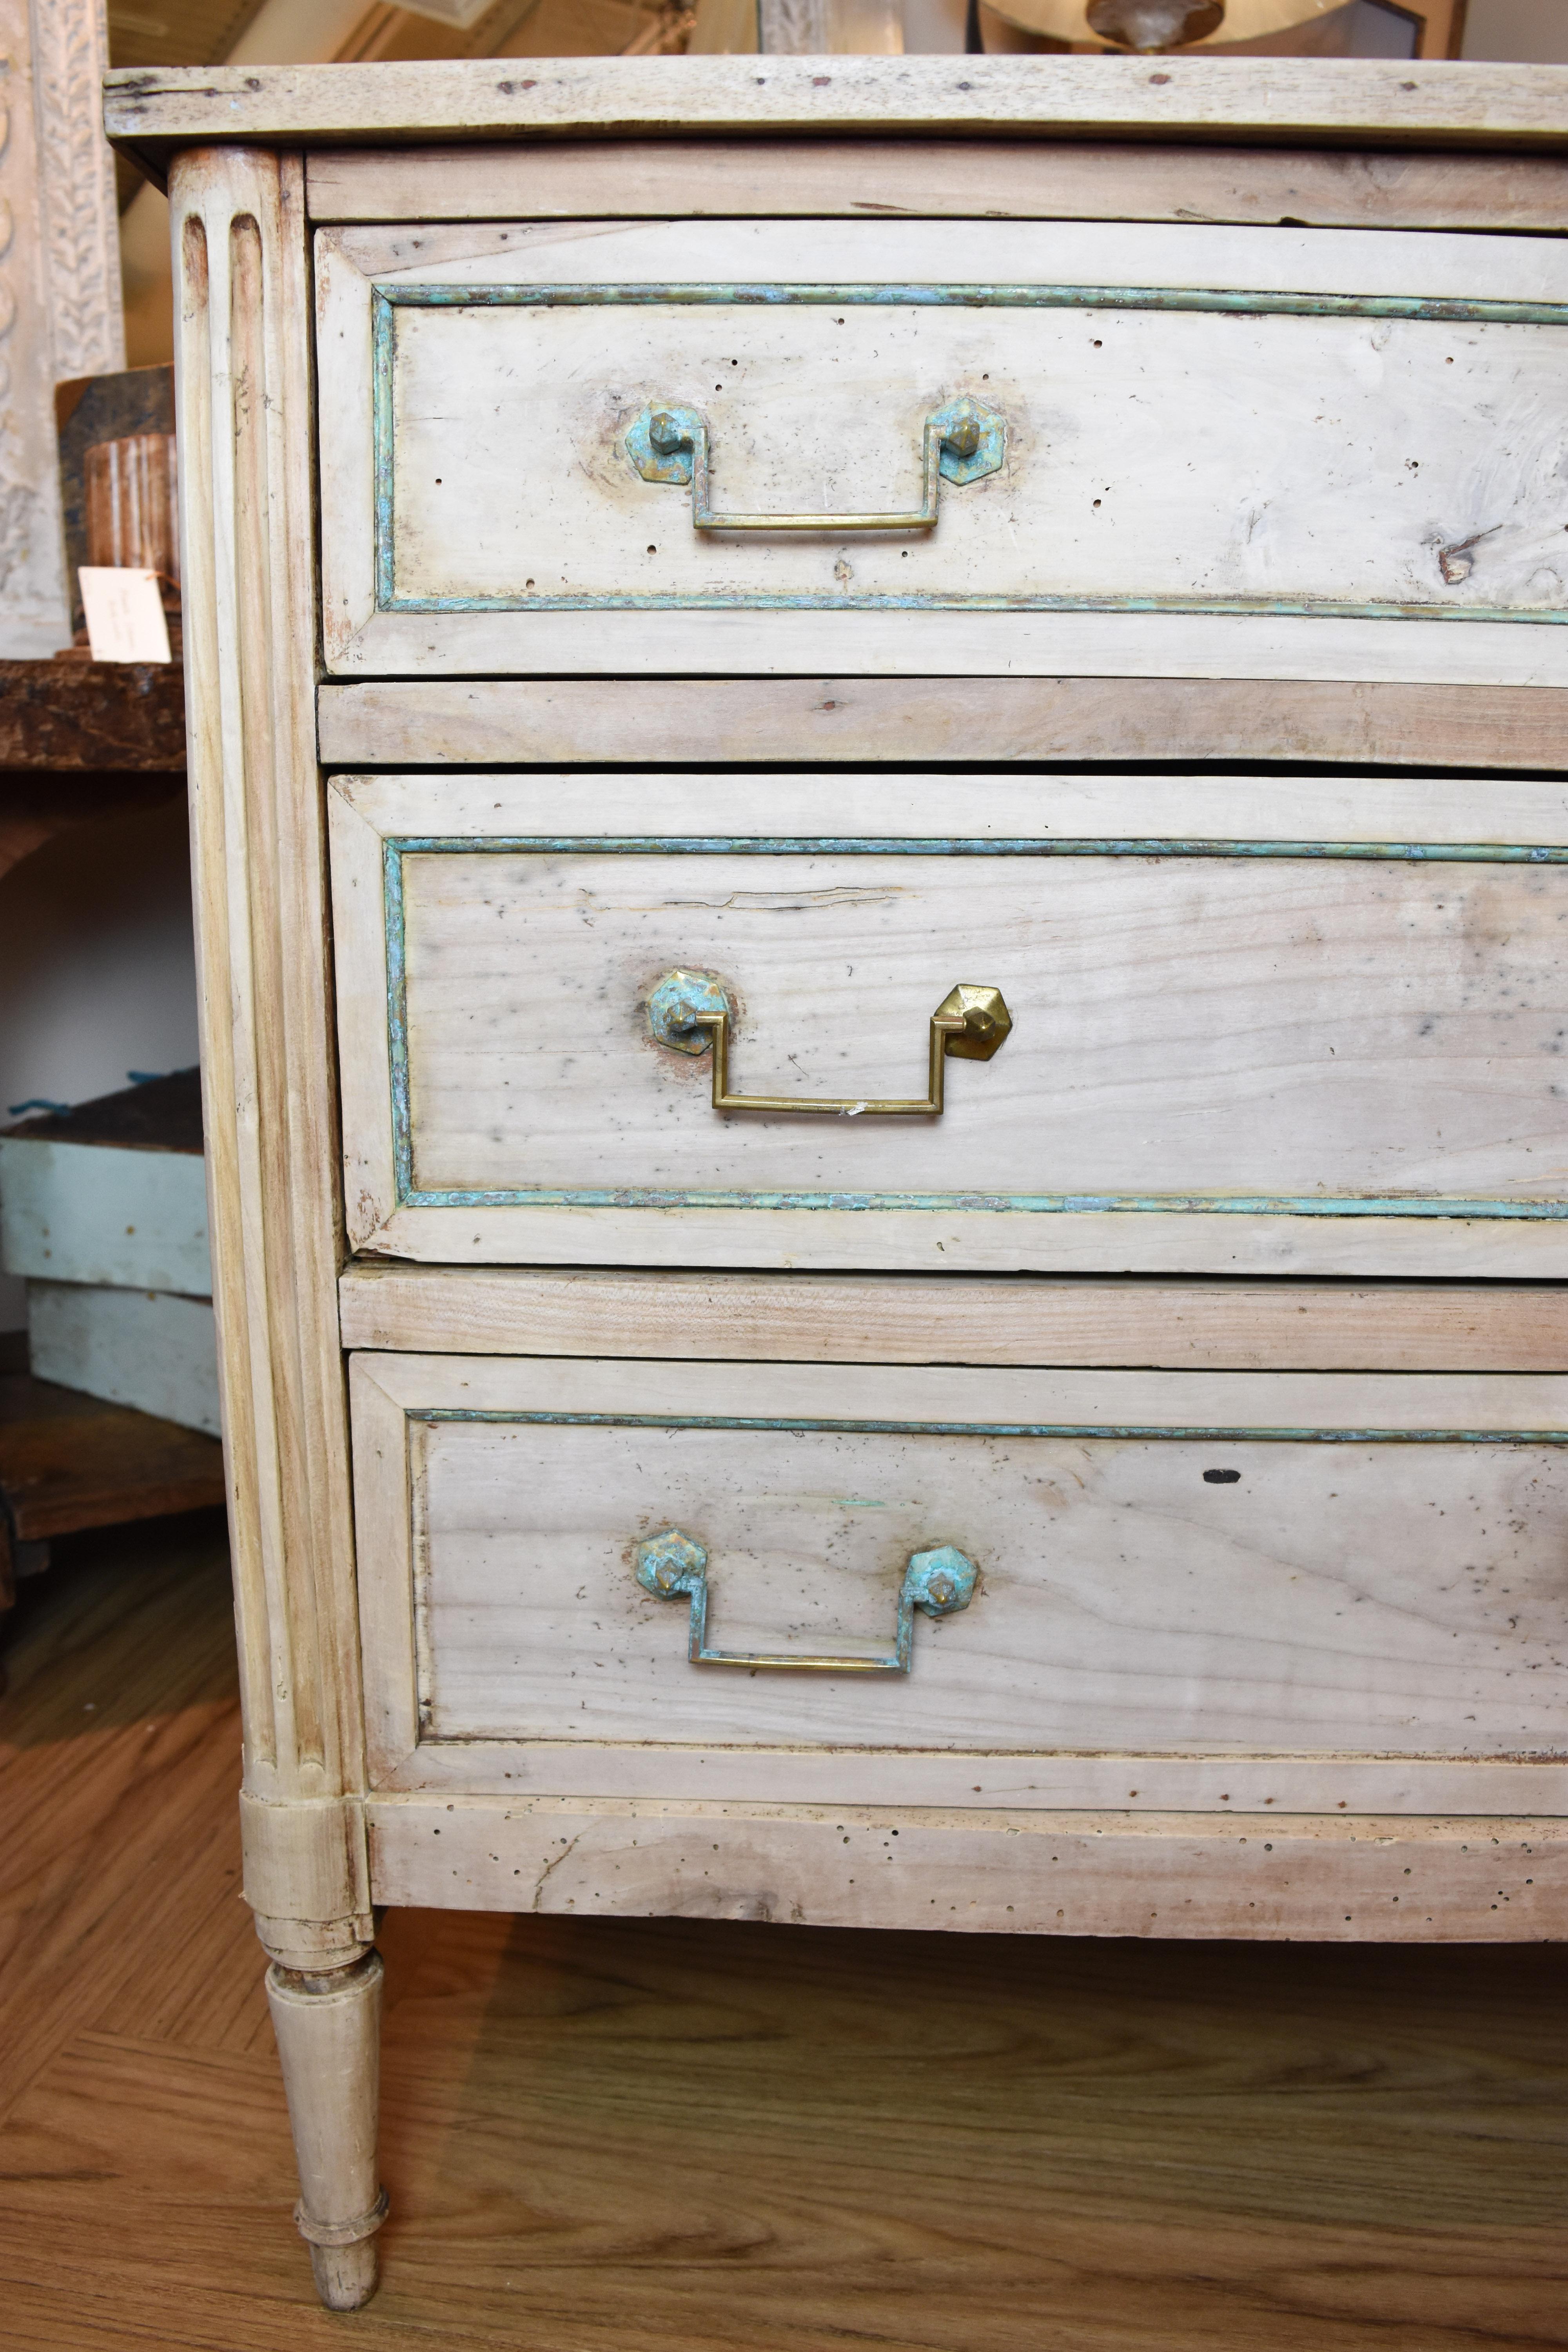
673, 1563
691, 1012
961, 442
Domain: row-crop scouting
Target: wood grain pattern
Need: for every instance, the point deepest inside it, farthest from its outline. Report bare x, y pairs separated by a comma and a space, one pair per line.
1187, 1326
1286, 1029
431, 721
1005, 179
1310, 1603
1165, 1876
247, 562
1190, 1065
150, 114
1296, 514
1396, 1600
628, 2135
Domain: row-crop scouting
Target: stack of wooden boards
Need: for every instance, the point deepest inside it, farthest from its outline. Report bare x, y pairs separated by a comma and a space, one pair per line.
103, 1210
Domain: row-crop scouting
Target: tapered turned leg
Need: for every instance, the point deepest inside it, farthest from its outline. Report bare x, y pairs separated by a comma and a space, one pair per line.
328, 2040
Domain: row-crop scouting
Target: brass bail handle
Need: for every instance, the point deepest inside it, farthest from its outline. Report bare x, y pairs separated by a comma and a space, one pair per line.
673, 1565
961, 442
690, 1011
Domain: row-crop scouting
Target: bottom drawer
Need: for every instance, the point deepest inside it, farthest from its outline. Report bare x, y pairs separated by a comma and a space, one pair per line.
977, 1589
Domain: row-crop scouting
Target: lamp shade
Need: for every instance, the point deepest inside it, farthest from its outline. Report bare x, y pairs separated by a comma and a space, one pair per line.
1150, 25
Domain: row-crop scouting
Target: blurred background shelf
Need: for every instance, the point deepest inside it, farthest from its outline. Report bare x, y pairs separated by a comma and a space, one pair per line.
68, 1462
83, 741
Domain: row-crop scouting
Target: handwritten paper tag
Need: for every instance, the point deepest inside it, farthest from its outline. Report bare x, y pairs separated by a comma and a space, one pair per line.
125, 614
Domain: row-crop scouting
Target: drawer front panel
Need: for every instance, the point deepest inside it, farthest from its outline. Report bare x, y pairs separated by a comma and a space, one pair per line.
1192, 449
888, 1561
1275, 1034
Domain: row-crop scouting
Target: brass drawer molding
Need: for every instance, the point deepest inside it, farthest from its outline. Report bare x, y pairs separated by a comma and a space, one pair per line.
963, 441
942, 1582
691, 1012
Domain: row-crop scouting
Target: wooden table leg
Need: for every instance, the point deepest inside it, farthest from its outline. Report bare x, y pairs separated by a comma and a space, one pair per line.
328, 2040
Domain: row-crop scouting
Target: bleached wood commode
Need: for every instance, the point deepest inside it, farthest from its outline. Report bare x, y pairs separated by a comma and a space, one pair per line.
883, 893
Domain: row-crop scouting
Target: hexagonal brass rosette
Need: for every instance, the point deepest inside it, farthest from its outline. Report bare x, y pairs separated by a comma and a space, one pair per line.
986, 1017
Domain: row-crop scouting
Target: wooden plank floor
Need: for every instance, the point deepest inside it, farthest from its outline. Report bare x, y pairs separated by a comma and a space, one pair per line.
677, 2137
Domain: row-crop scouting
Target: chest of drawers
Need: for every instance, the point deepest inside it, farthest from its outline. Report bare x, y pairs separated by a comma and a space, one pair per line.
882, 868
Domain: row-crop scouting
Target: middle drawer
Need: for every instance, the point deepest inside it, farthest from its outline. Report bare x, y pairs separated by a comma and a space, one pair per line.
1207, 1024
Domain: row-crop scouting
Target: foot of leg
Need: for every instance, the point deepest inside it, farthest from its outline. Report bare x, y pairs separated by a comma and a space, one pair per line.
328, 2030
345, 2276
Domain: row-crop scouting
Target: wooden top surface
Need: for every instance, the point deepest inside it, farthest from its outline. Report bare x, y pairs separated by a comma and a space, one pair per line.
150, 113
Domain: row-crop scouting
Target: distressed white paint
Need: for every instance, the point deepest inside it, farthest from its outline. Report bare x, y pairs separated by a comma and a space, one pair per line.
1372, 1599
1162, 455
1184, 1027
95, 1213
141, 1348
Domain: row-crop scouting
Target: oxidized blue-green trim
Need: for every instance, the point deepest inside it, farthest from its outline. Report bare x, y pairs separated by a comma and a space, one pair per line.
1438, 310
1221, 300
395, 848
392, 925
1254, 608
758, 845
837, 1425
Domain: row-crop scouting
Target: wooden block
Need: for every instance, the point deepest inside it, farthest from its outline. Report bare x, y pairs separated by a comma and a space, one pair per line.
1186, 1326
850, 720
142, 1347
113, 1192
1011, 179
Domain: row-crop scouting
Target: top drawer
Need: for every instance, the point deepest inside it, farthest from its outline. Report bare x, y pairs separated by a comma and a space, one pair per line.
955, 447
